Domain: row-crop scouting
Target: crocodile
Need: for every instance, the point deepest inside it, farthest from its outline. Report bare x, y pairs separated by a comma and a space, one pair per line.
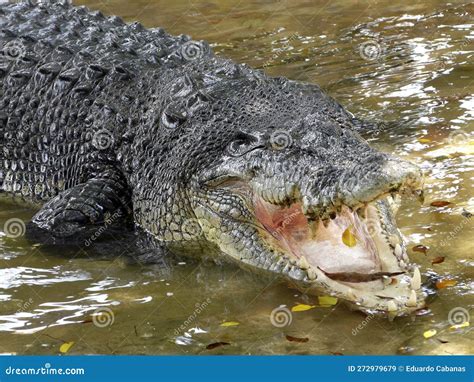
209, 157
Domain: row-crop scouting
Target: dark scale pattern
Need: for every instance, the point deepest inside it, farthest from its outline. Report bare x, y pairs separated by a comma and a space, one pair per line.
97, 116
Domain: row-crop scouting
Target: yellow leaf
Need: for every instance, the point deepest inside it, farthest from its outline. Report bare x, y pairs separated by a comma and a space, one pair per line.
327, 300
459, 326
424, 140
230, 323
429, 333
301, 307
64, 348
348, 238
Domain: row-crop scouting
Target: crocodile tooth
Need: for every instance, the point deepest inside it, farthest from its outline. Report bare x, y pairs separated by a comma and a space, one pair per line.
351, 294
416, 280
387, 280
394, 240
398, 250
412, 299
391, 306
303, 263
312, 274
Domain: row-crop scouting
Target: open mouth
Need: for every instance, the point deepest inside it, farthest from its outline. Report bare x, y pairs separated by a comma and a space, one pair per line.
358, 255
353, 251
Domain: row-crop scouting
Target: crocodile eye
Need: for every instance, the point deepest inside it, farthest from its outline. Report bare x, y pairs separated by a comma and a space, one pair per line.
242, 144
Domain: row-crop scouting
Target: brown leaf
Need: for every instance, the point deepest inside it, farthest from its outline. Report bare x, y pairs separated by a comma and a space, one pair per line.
440, 203
445, 283
420, 248
216, 345
437, 260
296, 339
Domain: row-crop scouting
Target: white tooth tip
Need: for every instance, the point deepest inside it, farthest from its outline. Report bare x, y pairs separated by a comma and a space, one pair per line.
412, 299
398, 250
416, 280
303, 263
351, 295
312, 274
391, 306
394, 239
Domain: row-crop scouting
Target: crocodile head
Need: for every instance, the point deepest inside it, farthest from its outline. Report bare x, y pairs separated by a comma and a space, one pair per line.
287, 185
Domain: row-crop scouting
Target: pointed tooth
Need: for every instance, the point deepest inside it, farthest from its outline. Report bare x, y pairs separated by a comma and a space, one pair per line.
387, 280
394, 240
416, 280
351, 295
312, 274
398, 250
303, 263
391, 306
412, 299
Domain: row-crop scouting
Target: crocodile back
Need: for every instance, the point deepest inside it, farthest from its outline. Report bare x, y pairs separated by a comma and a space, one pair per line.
66, 76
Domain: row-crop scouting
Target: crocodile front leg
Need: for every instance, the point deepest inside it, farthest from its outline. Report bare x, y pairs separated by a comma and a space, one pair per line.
78, 212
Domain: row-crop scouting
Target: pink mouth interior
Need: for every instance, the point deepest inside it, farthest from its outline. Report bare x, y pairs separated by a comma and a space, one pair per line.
322, 246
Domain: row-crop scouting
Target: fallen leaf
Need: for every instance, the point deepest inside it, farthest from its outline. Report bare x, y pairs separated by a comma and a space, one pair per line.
327, 300
230, 323
445, 283
430, 333
296, 339
348, 238
459, 326
420, 248
424, 140
438, 260
216, 345
302, 307
440, 203
64, 348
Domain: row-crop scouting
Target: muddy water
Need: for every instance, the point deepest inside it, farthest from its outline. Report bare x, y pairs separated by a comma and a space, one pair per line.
408, 63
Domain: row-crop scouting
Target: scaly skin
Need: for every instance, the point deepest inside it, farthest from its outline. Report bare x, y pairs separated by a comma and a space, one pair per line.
206, 155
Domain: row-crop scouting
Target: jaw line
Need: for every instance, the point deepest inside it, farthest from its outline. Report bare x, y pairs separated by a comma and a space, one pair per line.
374, 296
